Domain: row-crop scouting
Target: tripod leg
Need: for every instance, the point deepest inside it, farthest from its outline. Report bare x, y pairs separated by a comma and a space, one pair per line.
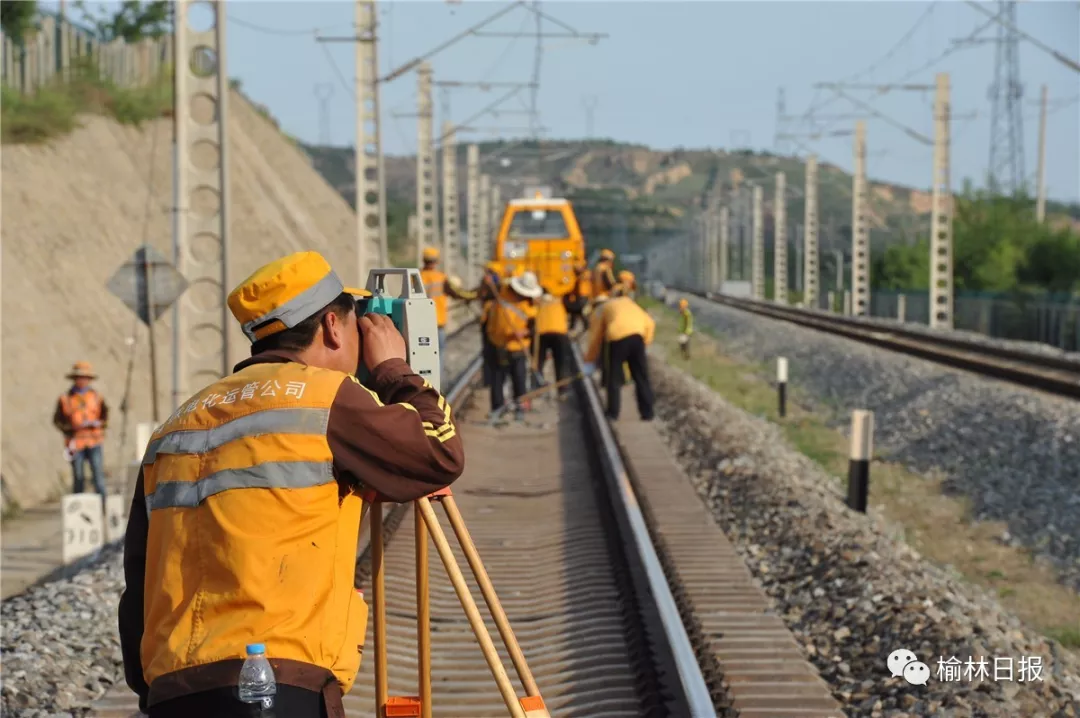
378, 584
471, 611
423, 614
492, 599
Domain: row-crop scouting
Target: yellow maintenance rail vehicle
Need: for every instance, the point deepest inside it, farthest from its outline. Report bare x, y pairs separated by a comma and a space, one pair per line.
540, 234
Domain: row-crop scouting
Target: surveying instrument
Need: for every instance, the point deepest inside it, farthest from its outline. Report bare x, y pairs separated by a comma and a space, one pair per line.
413, 313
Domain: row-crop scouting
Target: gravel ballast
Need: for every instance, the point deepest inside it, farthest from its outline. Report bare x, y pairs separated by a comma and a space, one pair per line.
850, 592
1014, 452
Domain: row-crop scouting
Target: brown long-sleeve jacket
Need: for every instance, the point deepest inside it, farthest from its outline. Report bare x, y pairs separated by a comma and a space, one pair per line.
378, 441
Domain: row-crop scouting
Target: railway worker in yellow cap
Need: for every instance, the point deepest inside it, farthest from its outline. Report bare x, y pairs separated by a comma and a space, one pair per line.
244, 524
82, 416
510, 327
686, 327
627, 329
627, 283
603, 278
552, 332
578, 298
440, 289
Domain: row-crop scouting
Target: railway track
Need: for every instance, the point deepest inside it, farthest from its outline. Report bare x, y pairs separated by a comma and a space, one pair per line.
625, 596
1051, 374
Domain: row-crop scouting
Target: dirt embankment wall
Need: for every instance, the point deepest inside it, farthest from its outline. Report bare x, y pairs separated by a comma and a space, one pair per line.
75, 210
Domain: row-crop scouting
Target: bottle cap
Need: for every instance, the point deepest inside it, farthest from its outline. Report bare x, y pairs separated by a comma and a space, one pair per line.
254, 648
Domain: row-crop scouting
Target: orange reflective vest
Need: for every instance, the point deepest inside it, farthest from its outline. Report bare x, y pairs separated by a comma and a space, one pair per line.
508, 319
250, 538
603, 280
78, 410
551, 317
583, 287
435, 287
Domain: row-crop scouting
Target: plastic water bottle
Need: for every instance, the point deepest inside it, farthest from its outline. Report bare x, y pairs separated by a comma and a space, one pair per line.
257, 683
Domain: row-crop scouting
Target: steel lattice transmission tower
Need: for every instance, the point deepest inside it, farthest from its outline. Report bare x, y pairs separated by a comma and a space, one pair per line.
1006, 166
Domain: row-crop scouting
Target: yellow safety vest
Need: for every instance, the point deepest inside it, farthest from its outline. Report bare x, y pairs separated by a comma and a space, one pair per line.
250, 539
435, 288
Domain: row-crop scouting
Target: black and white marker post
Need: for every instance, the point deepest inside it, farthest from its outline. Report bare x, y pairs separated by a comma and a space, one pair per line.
781, 385
862, 445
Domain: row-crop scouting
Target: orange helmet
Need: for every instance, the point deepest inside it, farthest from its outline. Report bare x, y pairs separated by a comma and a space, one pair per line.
683, 304
607, 254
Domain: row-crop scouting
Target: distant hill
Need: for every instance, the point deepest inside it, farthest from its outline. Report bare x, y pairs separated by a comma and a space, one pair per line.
646, 193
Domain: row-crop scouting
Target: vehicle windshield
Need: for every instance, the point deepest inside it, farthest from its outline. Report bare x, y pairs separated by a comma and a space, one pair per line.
550, 226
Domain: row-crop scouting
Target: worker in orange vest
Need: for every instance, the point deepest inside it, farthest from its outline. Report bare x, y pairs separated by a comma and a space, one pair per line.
82, 416
552, 327
510, 326
577, 298
440, 290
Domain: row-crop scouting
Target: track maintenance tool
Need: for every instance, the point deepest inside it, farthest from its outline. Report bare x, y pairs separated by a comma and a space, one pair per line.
425, 521
413, 313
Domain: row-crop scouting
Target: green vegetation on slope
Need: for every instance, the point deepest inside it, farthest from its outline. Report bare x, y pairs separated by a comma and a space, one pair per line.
997, 247
54, 109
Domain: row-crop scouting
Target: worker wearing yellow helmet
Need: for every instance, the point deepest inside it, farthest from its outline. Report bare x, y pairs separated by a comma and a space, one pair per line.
577, 298
686, 327
439, 289
627, 283
603, 279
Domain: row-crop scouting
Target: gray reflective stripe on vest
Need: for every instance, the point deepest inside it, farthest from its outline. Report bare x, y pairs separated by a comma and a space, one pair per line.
431, 289
516, 310
268, 421
271, 475
301, 306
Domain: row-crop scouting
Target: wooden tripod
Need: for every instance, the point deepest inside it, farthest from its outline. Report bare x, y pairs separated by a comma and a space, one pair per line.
425, 520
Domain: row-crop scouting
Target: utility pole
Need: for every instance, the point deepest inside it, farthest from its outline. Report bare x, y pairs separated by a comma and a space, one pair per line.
757, 280
323, 92
589, 103
496, 217
779, 143
370, 180
780, 281
722, 250
484, 212
472, 188
860, 241
941, 222
203, 198
425, 163
450, 202
1040, 190
810, 242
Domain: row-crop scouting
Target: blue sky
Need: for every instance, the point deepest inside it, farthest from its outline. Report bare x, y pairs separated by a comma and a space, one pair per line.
691, 74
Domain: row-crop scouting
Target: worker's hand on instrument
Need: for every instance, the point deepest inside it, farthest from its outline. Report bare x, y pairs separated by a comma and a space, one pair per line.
379, 340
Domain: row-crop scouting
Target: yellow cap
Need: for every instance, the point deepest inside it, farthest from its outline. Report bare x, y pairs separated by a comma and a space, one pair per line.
285, 292
626, 276
607, 254
431, 254
683, 304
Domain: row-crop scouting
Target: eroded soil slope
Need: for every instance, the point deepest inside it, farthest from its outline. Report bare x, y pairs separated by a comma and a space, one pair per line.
72, 212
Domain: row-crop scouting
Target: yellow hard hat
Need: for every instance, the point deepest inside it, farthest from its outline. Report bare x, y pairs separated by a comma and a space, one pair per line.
683, 304
626, 276
287, 291
607, 254
82, 370
431, 254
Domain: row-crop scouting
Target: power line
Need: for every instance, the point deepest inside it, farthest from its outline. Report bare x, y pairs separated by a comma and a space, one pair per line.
282, 33
1072, 64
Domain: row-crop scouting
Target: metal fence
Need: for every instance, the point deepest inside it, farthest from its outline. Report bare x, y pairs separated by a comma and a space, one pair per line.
50, 53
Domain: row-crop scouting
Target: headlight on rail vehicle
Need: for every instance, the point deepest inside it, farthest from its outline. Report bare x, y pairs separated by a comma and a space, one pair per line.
567, 254
514, 250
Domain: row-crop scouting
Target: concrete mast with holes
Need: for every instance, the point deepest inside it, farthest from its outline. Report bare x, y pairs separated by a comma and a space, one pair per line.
496, 217
484, 216
450, 228
941, 221
810, 235
425, 163
202, 192
860, 240
472, 188
757, 258
780, 280
722, 247
370, 173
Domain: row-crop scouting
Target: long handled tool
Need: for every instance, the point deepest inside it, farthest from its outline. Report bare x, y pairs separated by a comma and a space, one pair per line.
426, 522
535, 393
